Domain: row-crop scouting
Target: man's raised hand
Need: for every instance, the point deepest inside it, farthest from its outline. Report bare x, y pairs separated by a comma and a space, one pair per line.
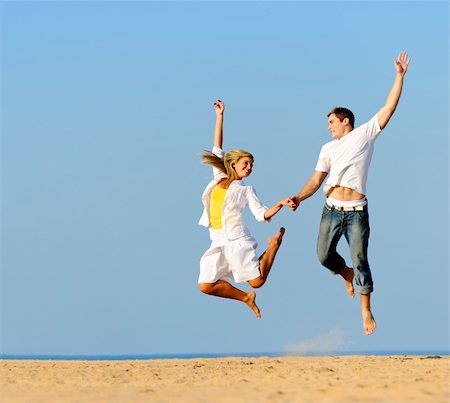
402, 63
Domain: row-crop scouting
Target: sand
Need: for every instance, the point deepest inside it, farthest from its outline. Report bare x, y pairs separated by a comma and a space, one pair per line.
231, 380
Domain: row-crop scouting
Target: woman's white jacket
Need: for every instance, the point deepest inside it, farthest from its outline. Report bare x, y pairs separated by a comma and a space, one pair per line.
238, 197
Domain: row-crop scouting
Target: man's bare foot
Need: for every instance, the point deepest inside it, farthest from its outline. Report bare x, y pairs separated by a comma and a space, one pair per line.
369, 323
251, 302
348, 274
277, 238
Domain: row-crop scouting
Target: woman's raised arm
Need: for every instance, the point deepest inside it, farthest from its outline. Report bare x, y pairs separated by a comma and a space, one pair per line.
219, 107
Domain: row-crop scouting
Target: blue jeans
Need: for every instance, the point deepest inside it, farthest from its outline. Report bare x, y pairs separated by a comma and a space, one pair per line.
354, 225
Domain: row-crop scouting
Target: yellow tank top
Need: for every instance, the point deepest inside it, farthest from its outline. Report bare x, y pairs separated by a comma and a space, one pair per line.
215, 207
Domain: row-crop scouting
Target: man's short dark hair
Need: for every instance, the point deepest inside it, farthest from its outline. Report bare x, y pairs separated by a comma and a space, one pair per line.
343, 113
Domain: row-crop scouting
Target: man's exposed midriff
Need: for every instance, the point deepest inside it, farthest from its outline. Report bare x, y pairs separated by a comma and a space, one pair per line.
345, 194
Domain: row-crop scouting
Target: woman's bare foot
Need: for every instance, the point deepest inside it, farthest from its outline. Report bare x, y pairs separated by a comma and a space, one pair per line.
348, 274
251, 302
277, 238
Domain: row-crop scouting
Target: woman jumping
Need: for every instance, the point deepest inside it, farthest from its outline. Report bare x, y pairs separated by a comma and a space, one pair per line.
232, 254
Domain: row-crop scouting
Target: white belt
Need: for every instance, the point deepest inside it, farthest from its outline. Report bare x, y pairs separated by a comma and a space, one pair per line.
359, 207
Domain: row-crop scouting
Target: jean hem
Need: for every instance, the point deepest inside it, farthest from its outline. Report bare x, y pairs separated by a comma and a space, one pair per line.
364, 290
339, 271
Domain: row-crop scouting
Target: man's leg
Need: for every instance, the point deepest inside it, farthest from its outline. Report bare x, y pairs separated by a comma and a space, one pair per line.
267, 258
329, 235
348, 274
357, 234
226, 290
369, 324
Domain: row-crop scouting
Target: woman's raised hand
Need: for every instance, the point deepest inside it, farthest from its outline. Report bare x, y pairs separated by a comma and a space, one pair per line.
219, 107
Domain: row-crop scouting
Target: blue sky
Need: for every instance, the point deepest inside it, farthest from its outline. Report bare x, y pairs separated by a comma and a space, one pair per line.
105, 109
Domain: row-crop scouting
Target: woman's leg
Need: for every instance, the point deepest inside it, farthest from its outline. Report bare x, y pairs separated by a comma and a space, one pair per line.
267, 258
226, 290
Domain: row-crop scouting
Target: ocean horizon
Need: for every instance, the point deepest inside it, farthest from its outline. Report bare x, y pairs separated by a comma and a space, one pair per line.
123, 357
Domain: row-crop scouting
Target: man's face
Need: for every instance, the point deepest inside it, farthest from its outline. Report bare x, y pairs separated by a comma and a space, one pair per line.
336, 127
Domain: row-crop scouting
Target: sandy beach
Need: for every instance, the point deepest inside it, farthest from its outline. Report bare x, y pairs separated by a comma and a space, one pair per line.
231, 380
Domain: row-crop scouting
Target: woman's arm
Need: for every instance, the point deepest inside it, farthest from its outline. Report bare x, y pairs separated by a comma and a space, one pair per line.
261, 212
277, 207
219, 107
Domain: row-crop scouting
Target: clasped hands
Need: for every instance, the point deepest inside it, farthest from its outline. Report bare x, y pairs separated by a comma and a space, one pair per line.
292, 202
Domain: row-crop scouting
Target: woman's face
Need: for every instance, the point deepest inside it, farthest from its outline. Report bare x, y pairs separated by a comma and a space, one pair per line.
243, 167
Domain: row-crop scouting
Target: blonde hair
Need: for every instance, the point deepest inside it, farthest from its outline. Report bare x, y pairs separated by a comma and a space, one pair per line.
226, 163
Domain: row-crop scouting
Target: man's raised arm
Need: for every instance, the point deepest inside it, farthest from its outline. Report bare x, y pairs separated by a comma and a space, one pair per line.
386, 112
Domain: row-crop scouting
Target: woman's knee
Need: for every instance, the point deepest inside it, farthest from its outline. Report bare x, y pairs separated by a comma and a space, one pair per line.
205, 288
256, 282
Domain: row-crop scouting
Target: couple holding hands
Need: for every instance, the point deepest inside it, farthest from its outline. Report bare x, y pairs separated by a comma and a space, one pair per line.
345, 160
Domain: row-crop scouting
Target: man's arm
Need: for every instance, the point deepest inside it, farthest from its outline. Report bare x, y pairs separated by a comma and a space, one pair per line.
386, 112
310, 187
219, 107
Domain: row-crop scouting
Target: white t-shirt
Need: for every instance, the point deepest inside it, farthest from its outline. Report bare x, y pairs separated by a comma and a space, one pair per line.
347, 159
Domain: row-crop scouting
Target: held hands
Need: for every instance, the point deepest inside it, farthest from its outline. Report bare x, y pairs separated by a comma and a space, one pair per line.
288, 201
294, 203
219, 107
402, 63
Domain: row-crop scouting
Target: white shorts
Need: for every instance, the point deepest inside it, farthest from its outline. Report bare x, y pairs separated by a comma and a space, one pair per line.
229, 260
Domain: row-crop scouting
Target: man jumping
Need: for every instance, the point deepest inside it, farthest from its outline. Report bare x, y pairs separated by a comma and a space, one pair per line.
346, 160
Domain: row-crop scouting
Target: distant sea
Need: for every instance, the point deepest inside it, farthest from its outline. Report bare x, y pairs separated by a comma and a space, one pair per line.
100, 357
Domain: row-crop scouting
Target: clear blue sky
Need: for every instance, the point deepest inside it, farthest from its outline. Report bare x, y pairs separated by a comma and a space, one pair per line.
105, 109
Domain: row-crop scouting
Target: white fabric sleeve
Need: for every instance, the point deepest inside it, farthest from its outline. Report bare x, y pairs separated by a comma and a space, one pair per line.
255, 205
323, 163
217, 173
372, 128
